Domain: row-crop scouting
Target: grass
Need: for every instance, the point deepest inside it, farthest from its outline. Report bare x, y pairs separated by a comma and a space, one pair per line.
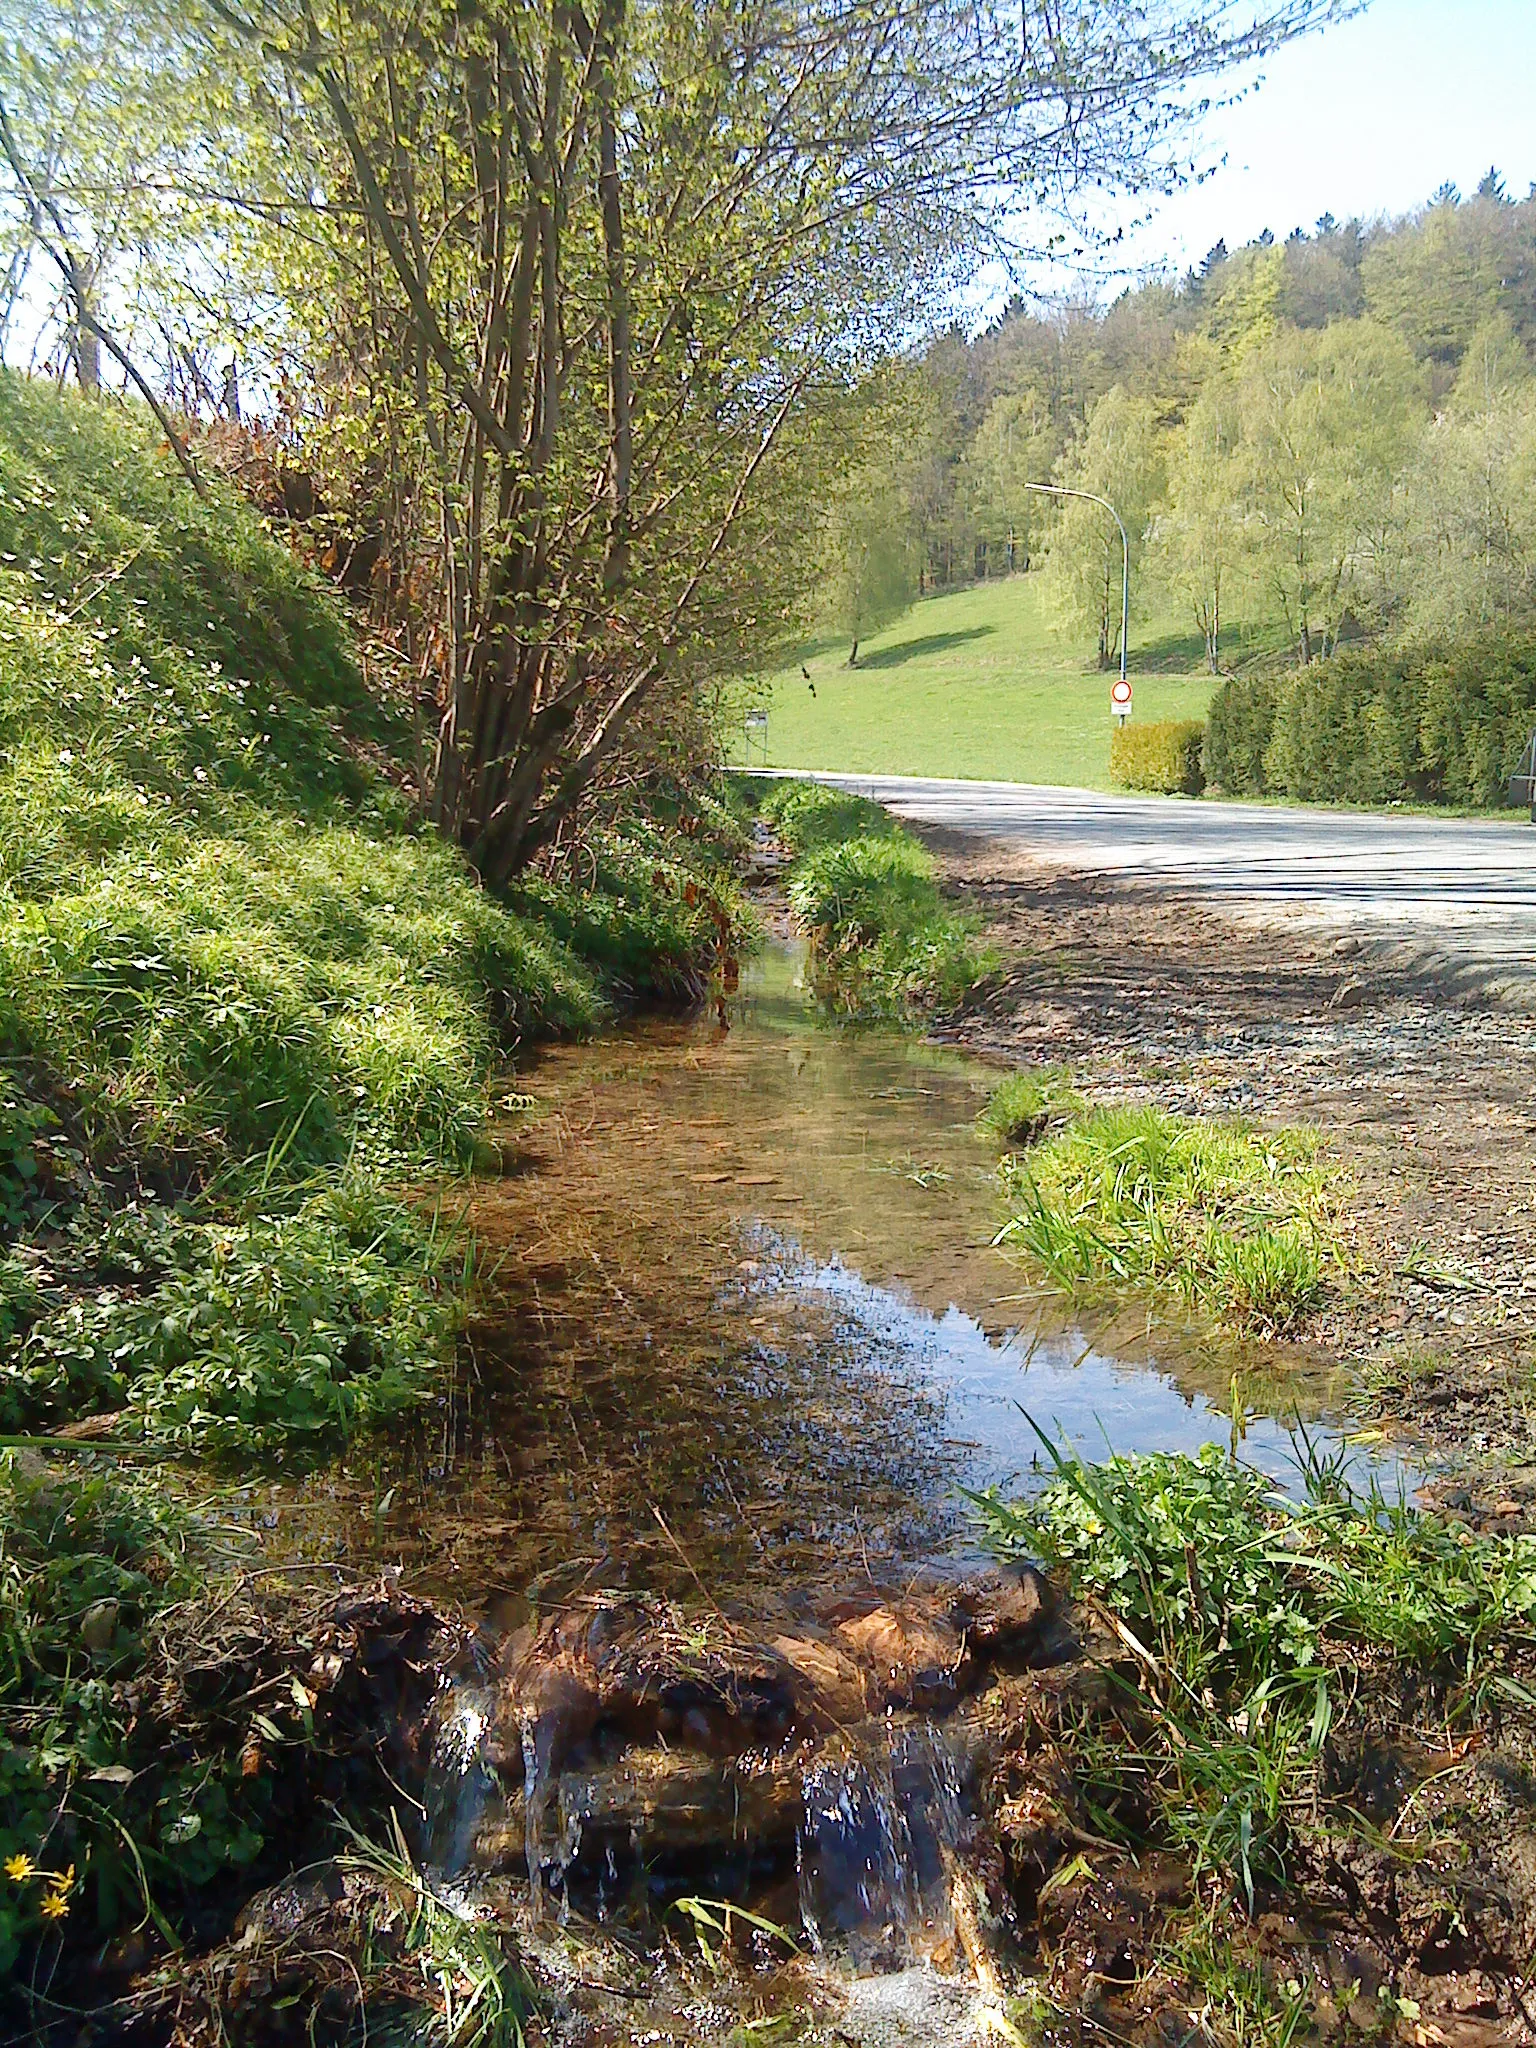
1021, 1108
1222, 1216
884, 943
1251, 1621
241, 995
976, 683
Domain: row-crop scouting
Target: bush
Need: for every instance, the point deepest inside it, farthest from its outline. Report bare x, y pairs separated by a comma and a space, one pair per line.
1239, 726
1422, 724
1163, 756
883, 941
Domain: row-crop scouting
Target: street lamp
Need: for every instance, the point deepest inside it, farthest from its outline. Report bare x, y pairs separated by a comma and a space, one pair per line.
1062, 491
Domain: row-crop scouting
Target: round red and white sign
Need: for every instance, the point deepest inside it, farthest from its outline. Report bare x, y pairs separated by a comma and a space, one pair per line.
1120, 695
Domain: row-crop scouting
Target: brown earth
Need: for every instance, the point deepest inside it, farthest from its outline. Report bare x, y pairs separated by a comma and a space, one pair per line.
1428, 1098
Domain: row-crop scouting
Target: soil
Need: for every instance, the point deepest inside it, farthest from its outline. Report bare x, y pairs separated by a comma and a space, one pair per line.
1427, 1095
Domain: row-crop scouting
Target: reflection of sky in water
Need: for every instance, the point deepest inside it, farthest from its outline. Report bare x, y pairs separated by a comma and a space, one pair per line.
1077, 1395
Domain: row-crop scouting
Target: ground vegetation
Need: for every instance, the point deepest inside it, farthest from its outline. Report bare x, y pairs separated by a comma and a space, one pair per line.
252, 1019
884, 943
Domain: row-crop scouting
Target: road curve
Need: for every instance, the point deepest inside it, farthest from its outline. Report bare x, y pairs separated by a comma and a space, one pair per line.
1457, 892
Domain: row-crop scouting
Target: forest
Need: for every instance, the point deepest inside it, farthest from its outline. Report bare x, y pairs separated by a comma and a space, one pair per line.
1316, 440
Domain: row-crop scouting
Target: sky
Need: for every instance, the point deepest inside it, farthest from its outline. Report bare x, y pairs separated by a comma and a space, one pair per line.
1365, 118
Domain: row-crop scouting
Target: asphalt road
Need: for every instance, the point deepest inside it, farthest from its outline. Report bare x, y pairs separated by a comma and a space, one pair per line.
1456, 892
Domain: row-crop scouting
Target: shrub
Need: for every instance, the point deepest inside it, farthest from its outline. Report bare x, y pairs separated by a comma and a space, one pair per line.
1425, 724
1163, 756
1240, 723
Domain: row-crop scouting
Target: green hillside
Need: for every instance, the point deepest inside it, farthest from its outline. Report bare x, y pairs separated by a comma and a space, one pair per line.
975, 683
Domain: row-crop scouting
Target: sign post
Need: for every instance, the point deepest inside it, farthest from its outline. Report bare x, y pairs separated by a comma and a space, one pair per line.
757, 729
1120, 698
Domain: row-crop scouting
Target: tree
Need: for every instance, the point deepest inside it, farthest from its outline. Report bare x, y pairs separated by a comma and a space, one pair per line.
872, 571
1326, 423
93, 123
574, 284
1198, 540
1015, 444
1474, 494
1117, 457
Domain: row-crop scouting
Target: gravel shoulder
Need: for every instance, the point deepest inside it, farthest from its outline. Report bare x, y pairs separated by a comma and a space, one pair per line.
1427, 1094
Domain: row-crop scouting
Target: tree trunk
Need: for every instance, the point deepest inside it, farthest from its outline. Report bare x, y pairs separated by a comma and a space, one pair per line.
87, 356
853, 653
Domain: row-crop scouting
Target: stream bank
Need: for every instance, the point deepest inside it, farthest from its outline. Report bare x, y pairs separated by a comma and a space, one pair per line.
750, 1739
684, 1577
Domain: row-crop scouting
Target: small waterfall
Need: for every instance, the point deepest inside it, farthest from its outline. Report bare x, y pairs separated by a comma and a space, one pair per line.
879, 1831
458, 1787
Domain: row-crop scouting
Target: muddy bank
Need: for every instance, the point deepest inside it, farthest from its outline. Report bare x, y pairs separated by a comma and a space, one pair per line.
1426, 1098
860, 1814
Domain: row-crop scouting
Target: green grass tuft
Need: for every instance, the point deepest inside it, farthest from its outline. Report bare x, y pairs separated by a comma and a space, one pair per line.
1251, 1618
1223, 1217
884, 943
1019, 1109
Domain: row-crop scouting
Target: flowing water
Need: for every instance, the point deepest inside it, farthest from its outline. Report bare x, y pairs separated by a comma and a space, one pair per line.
746, 1318
747, 1330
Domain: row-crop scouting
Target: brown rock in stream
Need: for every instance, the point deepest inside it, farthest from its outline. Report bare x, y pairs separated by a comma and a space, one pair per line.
640, 1670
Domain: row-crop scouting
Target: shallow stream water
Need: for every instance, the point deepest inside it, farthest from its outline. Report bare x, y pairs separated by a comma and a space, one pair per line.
747, 1319
747, 1333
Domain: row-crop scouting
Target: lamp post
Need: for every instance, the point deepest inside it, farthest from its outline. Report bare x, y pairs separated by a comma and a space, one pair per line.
1062, 491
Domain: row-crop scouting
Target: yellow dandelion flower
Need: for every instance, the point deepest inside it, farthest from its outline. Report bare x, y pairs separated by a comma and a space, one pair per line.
53, 1906
20, 1868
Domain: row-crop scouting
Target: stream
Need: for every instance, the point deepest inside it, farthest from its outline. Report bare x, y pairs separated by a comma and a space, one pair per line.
748, 1337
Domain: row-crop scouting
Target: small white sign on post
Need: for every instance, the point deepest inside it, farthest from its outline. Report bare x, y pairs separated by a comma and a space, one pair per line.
1120, 698
757, 729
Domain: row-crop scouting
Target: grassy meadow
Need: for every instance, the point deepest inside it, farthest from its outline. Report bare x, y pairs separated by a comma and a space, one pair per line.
979, 683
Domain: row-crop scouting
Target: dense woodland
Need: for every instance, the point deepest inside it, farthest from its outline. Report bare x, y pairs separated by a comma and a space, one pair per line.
1321, 437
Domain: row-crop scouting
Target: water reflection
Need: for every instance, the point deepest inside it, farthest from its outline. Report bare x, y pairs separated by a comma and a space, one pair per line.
746, 1323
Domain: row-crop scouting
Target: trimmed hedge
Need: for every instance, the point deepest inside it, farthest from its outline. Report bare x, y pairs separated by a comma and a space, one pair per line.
1164, 756
1419, 724
1239, 726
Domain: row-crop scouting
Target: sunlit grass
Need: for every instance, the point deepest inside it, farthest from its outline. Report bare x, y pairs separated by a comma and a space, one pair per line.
884, 943
1020, 1108
1224, 1217
1249, 1619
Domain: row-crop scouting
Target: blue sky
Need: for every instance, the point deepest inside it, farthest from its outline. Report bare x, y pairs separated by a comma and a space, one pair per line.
1365, 118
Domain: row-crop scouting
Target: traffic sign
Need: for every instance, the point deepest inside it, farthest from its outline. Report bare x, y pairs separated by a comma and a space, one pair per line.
1120, 697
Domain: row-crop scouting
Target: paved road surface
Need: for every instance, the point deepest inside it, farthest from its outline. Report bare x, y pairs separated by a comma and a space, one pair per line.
1458, 891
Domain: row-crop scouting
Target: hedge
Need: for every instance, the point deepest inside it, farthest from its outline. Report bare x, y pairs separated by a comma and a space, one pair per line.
1425, 724
1162, 756
1239, 726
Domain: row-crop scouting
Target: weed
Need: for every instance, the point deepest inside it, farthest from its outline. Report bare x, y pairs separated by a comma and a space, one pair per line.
1020, 1108
444, 1977
1226, 1217
283, 1332
1241, 1611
